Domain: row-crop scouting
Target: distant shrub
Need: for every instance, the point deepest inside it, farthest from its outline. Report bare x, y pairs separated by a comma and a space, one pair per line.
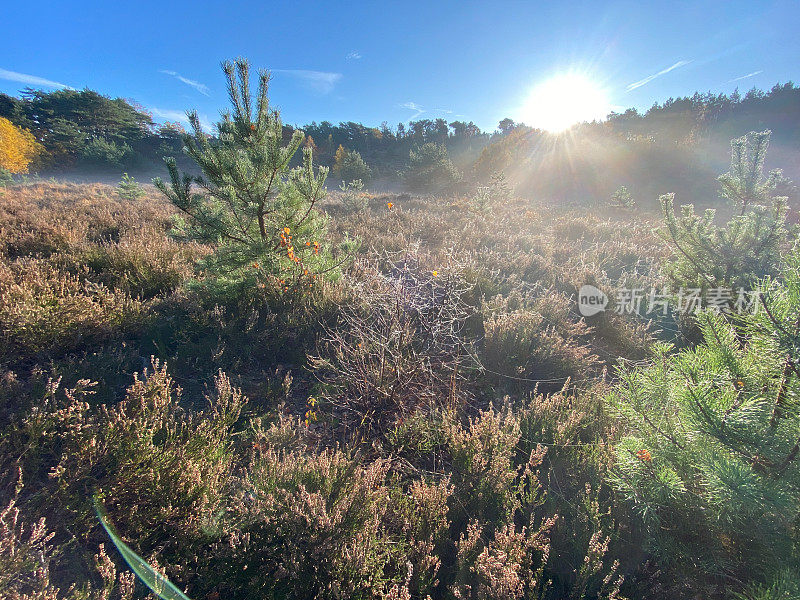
498, 183
430, 169
349, 165
103, 152
540, 342
129, 189
353, 196
481, 202
486, 197
622, 199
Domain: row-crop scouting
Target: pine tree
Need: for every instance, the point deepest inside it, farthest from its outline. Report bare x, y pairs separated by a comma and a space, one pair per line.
622, 199
748, 247
710, 458
430, 169
129, 189
353, 196
348, 165
744, 185
258, 213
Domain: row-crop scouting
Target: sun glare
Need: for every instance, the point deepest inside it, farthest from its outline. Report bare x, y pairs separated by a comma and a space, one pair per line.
563, 101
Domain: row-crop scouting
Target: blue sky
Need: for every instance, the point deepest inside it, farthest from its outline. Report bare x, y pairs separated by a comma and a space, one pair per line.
387, 61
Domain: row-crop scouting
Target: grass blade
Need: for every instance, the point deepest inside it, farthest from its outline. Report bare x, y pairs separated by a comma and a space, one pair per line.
158, 584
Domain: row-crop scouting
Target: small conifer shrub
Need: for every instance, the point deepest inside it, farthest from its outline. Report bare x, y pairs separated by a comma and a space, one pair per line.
129, 189
258, 212
711, 455
622, 199
353, 196
748, 247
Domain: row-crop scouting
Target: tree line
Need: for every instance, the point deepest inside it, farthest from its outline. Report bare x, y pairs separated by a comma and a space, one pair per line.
83, 131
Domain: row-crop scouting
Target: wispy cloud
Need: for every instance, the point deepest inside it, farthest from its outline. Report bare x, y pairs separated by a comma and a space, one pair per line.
180, 116
32, 80
419, 110
753, 74
354, 55
322, 82
413, 106
200, 87
649, 78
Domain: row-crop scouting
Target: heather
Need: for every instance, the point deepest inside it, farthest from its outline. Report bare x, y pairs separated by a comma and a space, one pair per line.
381, 434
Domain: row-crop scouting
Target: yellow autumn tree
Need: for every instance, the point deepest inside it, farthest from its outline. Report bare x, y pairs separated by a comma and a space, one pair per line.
18, 147
338, 159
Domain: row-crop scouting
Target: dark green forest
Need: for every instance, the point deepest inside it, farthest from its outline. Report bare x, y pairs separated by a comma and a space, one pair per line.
676, 144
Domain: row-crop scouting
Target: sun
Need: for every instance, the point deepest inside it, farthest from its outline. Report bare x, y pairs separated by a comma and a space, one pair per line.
564, 100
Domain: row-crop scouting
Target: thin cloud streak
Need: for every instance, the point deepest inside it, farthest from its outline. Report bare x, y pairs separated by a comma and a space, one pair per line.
322, 82
421, 110
649, 78
753, 74
413, 106
32, 80
354, 55
200, 87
